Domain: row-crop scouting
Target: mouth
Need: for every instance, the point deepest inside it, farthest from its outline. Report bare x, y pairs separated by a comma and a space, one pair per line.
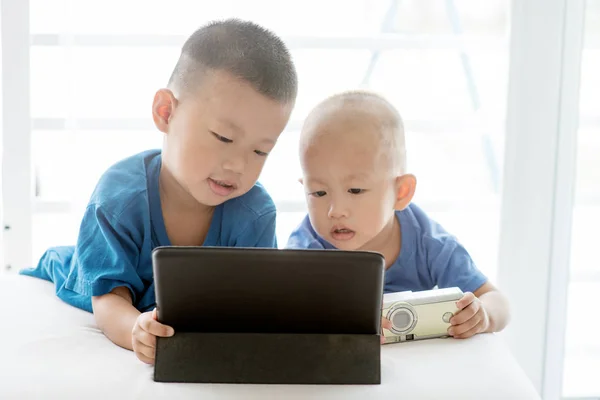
342, 233
221, 187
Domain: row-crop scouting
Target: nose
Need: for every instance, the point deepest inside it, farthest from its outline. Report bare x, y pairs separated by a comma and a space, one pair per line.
337, 210
235, 162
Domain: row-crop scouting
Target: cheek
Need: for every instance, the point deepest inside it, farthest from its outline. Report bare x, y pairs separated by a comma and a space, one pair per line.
319, 222
252, 172
317, 209
196, 158
373, 212
316, 205
254, 167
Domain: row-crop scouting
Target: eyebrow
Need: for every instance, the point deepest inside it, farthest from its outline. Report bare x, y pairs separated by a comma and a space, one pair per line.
314, 180
230, 124
269, 141
359, 176
349, 178
240, 131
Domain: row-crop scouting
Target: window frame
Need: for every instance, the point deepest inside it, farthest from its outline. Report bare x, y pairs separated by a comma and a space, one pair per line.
16, 169
538, 190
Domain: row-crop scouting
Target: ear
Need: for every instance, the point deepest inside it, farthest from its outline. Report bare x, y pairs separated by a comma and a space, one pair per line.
405, 190
162, 109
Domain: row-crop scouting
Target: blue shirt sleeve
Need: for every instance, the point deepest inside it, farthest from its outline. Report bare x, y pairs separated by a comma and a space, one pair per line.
304, 237
450, 265
107, 254
260, 233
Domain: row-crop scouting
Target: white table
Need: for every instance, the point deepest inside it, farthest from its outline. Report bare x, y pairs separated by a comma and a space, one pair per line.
51, 350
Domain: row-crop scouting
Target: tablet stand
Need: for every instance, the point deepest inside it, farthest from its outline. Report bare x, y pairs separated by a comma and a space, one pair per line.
268, 358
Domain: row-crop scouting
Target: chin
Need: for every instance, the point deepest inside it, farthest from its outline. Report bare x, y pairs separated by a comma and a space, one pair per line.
207, 198
211, 202
349, 245
346, 247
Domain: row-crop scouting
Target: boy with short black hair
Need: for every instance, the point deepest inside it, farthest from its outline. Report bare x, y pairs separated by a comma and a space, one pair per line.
228, 100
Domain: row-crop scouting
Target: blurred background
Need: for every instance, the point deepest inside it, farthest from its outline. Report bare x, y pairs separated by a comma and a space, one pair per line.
92, 69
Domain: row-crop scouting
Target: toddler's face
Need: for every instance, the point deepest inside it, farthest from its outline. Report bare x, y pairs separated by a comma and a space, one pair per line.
349, 187
218, 140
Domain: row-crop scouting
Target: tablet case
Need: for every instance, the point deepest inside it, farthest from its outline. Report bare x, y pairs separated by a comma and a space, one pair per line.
268, 315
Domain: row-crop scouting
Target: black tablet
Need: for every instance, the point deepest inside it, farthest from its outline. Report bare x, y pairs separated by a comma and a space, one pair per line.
225, 289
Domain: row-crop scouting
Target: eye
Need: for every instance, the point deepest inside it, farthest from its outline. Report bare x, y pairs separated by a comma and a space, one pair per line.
222, 138
261, 153
356, 191
319, 193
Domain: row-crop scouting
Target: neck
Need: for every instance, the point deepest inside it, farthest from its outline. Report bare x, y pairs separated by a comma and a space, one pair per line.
388, 242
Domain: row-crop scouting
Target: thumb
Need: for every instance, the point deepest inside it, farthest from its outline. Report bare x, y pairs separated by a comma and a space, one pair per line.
386, 323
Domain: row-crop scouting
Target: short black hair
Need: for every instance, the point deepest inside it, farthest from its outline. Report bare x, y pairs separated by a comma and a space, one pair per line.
243, 49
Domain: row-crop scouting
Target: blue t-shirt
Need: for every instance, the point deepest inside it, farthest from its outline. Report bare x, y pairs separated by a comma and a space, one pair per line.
123, 223
429, 256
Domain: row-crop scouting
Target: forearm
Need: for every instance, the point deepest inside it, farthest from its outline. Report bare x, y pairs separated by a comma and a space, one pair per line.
497, 308
116, 317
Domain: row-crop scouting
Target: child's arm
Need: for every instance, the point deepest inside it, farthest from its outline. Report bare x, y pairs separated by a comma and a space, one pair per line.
115, 315
482, 308
125, 326
486, 310
496, 306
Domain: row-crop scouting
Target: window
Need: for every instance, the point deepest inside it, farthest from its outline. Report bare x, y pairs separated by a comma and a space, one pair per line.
442, 63
582, 348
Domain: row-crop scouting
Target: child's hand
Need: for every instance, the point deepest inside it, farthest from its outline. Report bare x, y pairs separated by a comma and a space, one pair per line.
144, 334
385, 324
470, 320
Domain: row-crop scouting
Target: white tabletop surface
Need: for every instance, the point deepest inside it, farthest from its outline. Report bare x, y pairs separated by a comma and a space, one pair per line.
50, 350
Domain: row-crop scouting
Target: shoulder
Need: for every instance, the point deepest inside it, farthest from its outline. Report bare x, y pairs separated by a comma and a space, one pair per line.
124, 185
304, 236
414, 220
447, 259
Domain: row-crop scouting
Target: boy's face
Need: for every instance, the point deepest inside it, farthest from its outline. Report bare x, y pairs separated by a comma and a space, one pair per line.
218, 139
351, 191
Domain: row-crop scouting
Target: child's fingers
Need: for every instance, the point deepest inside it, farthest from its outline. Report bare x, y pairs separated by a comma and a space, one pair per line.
145, 338
465, 314
471, 332
150, 325
157, 329
386, 323
458, 330
467, 299
145, 359
146, 351
143, 352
